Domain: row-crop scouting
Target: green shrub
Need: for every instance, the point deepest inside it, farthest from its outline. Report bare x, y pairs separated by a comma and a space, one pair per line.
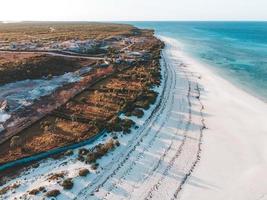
117, 143
34, 192
68, 153
90, 158
84, 172
145, 104
67, 184
42, 189
138, 113
53, 193
95, 166
83, 151
127, 124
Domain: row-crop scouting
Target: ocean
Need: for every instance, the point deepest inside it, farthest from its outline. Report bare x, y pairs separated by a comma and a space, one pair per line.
235, 50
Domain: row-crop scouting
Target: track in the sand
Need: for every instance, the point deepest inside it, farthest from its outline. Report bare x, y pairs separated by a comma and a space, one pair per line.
118, 162
129, 167
121, 167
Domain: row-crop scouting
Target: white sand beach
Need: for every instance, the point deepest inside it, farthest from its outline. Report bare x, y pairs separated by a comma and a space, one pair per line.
204, 139
234, 147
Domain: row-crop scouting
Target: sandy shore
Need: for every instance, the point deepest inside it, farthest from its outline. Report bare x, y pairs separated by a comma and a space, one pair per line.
172, 155
161, 152
234, 147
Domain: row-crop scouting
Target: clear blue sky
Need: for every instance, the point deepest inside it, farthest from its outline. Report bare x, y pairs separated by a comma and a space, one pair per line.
117, 10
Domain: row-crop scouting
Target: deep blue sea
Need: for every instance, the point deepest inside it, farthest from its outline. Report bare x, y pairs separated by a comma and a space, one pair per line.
236, 50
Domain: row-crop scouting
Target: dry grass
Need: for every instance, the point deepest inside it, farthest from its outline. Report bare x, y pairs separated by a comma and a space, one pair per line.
56, 176
16, 57
95, 108
18, 66
44, 32
8, 188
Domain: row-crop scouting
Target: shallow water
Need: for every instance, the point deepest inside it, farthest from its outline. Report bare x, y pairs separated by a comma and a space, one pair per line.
236, 50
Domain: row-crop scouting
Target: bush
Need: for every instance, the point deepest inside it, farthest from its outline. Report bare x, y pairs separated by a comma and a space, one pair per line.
67, 184
84, 172
83, 100
68, 153
152, 97
56, 176
117, 143
128, 131
8, 188
90, 158
53, 193
99, 151
34, 192
114, 125
118, 125
83, 151
35, 165
115, 137
109, 145
80, 158
127, 114
42, 189
95, 166
145, 104
26, 149
127, 124
138, 113
100, 125
146, 100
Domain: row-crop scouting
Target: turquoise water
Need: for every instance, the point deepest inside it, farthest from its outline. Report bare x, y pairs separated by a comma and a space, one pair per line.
237, 50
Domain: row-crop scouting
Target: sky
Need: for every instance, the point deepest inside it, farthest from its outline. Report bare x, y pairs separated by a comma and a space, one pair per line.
131, 10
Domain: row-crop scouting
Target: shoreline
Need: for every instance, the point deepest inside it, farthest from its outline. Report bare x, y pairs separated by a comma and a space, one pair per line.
211, 70
231, 80
234, 150
216, 71
203, 137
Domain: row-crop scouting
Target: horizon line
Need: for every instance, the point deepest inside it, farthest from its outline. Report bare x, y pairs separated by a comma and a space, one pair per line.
171, 20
